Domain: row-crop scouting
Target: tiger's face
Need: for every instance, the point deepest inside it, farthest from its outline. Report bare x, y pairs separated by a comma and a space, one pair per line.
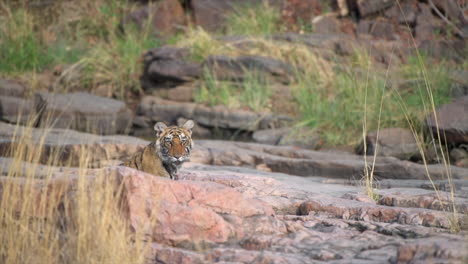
174, 143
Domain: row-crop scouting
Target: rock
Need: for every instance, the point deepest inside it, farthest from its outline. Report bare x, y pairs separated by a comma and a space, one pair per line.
303, 162
381, 29
228, 68
452, 122
349, 209
451, 9
68, 145
340, 44
183, 93
188, 211
166, 16
168, 65
269, 136
166, 255
457, 154
325, 24
214, 117
405, 15
224, 215
300, 137
83, 112
418, 198
11, 88
444, 49
16, 110
426, 23
459, 81
393, 142
367, 7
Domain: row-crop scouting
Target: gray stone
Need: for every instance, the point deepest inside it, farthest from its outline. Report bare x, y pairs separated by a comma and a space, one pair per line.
310, 163
173, 71
393, 142
68, 145
405, 15
83, 112
452, 122
459, 79
341, 44
298, 137
367, 7
457, 154
17, 110
269, 136
325, 24
229, 68
220, 214
183, 93
11, 88
381, 29
168, 65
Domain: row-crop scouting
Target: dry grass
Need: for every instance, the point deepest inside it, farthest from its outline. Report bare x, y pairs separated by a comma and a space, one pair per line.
428, 97
74, 216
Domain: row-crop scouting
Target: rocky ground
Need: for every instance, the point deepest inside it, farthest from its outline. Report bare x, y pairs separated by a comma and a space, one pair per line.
278, 196
252, 203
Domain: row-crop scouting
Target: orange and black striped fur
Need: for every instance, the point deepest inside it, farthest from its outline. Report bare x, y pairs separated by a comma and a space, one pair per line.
165, 156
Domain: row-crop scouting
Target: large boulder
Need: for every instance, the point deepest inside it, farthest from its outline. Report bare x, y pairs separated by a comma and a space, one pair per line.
11, 88
393, 142
156, 109
168, 66
367, 7
17, 110
298, 137
68, 146
228, 68
83, 112
381, 29
451, 121
302, 162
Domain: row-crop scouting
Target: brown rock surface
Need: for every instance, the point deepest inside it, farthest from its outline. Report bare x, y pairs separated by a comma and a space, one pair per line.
394, 142
225, 214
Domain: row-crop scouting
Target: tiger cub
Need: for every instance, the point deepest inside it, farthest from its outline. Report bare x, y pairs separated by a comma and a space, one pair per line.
165, 156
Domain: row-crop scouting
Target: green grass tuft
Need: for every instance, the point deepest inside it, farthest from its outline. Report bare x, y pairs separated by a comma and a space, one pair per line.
253, 93
21, 49
253, 20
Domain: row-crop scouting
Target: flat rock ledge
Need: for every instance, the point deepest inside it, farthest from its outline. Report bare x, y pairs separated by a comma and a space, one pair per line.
226, 214
69, 145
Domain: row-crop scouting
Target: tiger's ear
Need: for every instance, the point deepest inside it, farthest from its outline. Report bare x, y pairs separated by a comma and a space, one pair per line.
159, 127
188, 126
